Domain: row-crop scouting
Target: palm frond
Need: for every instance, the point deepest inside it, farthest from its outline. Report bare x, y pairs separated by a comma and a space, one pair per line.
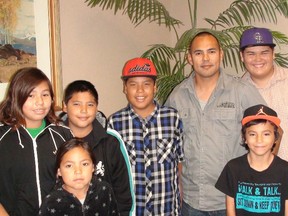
232, 58
282, 7
246, 12
160, 52
139, 11
108, 4
281, 59
279, 37
152, 10
168, 78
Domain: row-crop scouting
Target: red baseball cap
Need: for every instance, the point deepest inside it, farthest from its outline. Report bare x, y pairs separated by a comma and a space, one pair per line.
139, 67
260, 111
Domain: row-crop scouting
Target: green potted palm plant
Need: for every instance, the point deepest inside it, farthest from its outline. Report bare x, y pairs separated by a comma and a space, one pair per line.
170, 61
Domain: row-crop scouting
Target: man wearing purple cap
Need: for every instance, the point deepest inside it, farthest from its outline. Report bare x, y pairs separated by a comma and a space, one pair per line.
257, 54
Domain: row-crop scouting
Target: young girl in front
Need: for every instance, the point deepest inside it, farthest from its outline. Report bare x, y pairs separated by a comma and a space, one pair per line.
29, 138
257, 182
78, 192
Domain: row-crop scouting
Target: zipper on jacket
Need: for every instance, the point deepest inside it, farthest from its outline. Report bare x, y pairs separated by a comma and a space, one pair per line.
83, 210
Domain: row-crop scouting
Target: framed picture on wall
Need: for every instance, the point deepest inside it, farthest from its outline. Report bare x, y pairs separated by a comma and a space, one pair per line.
30, 37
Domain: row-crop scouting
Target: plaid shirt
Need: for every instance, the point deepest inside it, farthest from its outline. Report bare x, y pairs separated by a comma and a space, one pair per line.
155, 148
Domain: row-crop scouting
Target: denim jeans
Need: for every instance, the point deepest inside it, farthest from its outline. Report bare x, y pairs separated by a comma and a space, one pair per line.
189, 211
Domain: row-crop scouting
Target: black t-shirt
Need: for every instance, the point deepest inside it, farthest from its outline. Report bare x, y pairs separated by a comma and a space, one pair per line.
255, 192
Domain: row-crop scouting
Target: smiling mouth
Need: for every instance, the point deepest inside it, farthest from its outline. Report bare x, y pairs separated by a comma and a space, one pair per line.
140, 98
39, 111
258, 65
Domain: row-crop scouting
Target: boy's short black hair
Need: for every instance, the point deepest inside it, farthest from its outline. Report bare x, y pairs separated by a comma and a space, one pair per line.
256, 122
79, 86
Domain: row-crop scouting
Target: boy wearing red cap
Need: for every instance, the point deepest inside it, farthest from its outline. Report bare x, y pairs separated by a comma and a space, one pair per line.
257, 53
256, 183
153, 138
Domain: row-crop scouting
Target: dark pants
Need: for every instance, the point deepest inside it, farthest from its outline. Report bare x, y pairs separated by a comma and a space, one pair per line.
189, 211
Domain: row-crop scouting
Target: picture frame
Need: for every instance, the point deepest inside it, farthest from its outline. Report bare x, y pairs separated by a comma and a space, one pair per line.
48, 46
55, 51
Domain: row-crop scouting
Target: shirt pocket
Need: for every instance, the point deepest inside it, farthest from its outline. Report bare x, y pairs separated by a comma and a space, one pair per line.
165, 151
225, 121
131, 151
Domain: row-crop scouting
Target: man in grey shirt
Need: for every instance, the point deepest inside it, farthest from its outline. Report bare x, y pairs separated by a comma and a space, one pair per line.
211, 105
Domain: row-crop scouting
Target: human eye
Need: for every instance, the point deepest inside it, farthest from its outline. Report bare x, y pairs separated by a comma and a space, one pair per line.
147, 83
266, 52
251, 134
267, 134
197, 53
68, 166
132, 84
76, 103
212, 51
31, 95
86, 163
250, 53
91, 104
46, 94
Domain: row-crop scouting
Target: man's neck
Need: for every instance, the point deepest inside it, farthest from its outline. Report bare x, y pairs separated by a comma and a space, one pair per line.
205, 86
262, 81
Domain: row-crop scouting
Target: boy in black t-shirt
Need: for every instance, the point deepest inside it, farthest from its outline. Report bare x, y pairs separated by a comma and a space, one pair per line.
256, 183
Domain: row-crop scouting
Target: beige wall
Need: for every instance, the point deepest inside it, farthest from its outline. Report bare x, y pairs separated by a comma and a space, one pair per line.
95, 44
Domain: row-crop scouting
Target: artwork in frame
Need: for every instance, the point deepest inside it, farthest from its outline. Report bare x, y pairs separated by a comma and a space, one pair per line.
34, 41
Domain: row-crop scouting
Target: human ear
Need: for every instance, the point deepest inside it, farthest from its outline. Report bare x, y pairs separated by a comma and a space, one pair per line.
189, 59
58, 172
64, 107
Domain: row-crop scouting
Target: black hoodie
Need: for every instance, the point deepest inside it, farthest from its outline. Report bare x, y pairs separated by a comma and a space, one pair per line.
27, 167
112, 164
100, 200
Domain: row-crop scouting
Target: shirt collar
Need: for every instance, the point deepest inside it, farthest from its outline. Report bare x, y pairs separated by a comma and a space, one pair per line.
134, 115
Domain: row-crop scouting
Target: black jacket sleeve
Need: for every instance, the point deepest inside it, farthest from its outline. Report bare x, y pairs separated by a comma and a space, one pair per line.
119, 176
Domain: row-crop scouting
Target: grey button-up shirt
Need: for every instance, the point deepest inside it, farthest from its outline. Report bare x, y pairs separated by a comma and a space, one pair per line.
212, 136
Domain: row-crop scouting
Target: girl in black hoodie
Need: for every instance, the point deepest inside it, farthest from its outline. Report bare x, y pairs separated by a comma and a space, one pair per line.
77, 191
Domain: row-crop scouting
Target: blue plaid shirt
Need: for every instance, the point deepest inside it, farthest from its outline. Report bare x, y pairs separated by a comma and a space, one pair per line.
154, 145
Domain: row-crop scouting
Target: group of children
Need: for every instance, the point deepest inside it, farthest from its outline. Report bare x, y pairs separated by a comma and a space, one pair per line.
93, 169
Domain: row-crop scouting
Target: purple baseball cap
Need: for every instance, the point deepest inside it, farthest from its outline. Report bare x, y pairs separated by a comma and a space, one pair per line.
256, 37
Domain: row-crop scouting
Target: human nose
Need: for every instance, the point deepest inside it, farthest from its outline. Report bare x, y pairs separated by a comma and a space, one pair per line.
258, 57
78, 170
259, 138
206, 56
39, 100
140, 88
83, 109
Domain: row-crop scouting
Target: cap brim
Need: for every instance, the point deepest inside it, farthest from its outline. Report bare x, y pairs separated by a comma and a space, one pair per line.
253, 45
126, 77
273, 119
